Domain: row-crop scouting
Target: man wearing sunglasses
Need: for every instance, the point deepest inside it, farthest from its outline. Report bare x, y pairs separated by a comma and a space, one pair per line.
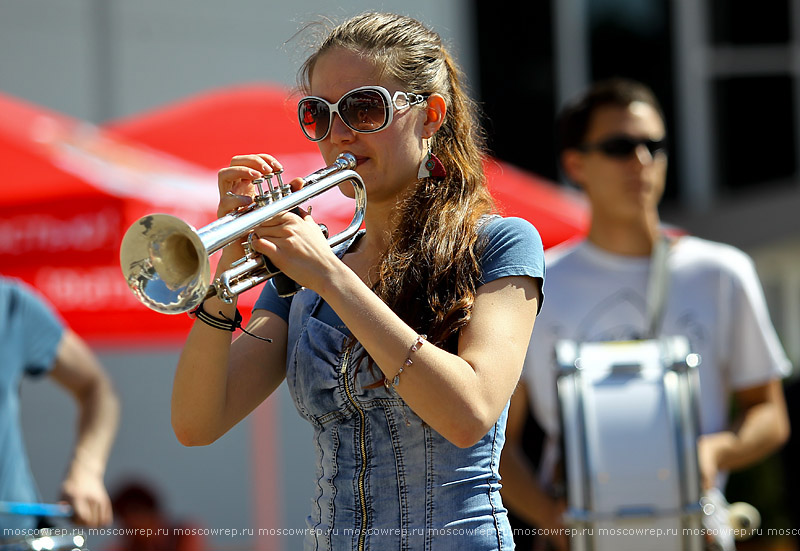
612, 144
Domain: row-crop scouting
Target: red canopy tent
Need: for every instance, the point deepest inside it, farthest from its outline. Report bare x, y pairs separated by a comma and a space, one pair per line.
70, 190
558, 213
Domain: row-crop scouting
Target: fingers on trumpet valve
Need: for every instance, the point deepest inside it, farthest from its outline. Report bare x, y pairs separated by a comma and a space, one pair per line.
261, 162
247, 168
237, 179
236, 187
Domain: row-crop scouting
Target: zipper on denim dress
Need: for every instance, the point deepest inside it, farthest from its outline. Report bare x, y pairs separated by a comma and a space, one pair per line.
363, 448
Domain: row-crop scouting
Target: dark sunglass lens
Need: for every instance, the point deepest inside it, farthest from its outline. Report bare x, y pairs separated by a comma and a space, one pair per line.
314, 118
656, 146
364, 111
618, 147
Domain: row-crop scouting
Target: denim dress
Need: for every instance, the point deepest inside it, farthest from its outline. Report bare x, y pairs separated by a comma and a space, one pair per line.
384, 479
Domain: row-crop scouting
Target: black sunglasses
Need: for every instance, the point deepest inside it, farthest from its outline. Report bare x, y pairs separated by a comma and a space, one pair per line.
621, 147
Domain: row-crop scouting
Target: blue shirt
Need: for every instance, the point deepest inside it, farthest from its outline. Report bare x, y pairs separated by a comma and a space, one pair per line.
29, 336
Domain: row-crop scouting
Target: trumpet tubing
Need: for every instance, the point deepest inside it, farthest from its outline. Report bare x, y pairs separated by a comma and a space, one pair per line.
165, 260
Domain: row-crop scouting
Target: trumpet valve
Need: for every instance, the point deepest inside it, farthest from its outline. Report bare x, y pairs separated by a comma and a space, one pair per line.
286, 189
261, 198
275, 192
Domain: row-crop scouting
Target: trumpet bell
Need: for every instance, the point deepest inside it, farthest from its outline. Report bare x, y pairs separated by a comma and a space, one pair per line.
165, 263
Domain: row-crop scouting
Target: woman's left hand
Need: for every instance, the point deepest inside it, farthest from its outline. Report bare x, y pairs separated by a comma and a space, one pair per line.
296, 245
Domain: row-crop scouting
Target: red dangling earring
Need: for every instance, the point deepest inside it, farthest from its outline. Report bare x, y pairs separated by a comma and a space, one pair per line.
431, 167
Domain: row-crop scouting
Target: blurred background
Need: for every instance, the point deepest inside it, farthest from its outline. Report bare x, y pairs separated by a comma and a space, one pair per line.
145, 100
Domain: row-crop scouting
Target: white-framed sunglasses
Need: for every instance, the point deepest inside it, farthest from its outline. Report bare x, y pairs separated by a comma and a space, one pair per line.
365, 109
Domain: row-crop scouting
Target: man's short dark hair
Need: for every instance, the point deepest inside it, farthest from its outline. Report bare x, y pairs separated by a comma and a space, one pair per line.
573, 121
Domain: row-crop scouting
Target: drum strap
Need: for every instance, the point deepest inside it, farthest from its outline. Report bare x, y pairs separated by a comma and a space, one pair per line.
657, 287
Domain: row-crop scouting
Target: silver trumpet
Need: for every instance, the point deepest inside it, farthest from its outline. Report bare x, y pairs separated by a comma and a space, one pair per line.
165, 260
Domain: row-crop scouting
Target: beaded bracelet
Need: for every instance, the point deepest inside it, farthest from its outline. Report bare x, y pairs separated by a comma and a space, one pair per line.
390, 384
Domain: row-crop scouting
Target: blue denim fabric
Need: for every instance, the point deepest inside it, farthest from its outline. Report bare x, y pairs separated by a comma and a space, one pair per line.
383, 484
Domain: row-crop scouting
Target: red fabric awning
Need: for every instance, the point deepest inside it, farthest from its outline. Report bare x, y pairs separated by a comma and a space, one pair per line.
70, 191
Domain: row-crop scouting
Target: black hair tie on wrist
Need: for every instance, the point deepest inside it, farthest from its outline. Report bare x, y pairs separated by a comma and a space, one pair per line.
224, 323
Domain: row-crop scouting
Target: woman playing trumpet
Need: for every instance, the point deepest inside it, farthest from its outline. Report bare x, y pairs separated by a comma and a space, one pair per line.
407, 341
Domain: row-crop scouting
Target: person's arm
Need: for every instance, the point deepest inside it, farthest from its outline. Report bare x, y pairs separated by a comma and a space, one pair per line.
521, 491
762, 428
78, 371
460, 396
754, 353
217, 383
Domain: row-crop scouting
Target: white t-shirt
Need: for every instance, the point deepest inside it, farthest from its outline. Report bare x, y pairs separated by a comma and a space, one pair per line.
714, 299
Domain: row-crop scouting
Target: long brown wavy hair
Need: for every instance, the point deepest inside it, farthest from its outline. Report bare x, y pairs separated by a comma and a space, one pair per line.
430, 272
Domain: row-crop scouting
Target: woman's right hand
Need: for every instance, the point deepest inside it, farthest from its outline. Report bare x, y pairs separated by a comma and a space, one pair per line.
236, 190
235, 182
